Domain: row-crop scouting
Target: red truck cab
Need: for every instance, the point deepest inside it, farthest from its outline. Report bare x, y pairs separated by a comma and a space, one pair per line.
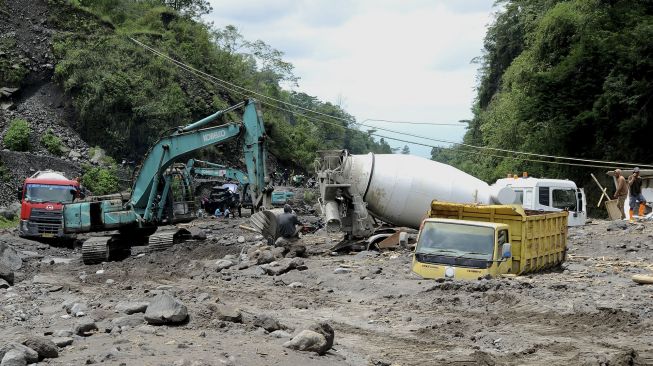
42, 198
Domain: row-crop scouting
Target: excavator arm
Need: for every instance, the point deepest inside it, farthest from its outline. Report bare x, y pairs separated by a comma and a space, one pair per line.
191, 138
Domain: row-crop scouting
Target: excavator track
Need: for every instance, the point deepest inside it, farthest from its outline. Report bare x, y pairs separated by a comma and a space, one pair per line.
161, 240
96, 250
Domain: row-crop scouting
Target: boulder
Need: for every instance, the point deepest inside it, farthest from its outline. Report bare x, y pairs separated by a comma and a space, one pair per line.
197, 233
265, 257
165, 309
13, 358
85, 329
308, 340
43, 346
132, 307
266, 322
6, 273
10, 257
221, 264
29, 354
62, 341
132, 320
617, 225
282, 266
325, 329
229, 314
4, 284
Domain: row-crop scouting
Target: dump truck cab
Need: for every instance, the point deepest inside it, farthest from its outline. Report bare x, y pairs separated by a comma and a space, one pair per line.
42, 198
462, 249
468, 242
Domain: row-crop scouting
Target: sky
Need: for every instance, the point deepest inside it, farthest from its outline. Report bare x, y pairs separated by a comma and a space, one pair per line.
395, 60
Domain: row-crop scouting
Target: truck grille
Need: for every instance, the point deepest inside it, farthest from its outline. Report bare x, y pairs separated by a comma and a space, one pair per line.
46, 221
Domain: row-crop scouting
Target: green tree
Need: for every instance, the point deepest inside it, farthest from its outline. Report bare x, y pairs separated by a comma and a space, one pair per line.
405, 150
100, 180
52, 143
17, 136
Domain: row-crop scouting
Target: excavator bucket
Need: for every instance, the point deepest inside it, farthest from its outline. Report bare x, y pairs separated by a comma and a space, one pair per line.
266, 223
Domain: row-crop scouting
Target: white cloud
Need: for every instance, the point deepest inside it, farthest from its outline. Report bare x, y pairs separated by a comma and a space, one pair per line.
396, 60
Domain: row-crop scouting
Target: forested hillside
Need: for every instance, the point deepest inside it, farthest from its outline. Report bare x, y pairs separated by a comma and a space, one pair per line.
571, 78
125, 97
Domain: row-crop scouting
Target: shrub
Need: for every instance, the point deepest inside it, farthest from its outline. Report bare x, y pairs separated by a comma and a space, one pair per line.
17, 135
100, 180
52, 143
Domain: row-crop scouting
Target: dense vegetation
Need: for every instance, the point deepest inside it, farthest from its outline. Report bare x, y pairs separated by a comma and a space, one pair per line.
100, 180
572, 78
17, 136
127, 97
52, 143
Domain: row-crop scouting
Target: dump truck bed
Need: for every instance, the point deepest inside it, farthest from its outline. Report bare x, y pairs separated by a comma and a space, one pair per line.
539, 239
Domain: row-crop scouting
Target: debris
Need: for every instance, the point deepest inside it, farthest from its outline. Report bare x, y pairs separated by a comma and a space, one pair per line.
165, 309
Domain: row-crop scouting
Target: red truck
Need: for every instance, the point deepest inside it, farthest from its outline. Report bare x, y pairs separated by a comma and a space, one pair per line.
42, 198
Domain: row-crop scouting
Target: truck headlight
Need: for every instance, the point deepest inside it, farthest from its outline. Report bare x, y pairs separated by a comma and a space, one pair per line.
449, 272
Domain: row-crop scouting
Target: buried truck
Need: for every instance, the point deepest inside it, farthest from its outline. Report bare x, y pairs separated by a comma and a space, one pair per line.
468, 242
42, 198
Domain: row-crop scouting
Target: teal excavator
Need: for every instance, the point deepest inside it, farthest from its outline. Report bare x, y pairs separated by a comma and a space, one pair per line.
161, 193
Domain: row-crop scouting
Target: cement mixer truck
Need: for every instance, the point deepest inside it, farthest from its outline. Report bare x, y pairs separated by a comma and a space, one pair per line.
395, 188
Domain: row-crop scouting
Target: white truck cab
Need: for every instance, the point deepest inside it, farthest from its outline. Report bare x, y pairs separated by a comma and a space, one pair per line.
541, 194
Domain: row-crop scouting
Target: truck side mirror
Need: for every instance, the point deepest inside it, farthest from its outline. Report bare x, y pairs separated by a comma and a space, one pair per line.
506, 251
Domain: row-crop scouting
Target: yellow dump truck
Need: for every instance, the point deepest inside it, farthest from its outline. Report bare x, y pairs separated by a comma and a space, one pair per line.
461, 241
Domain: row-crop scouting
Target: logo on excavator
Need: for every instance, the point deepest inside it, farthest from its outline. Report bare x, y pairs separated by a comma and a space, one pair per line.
213, 135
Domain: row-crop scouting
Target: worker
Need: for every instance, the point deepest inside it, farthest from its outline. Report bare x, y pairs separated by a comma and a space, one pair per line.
217, 212
635, 189
621, 192
289, 226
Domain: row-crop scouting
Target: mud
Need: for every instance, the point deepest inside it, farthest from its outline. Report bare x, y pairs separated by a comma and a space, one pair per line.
588, 312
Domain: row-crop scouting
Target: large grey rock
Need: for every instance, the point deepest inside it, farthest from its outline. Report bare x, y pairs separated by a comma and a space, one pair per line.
221, 264
265, 257
266, 322
30, 355
10, 257
308, 340
282, 266
85, 329
132, 320
325, 329
7, 213
43, 346
4, 283
13, 358
165, 309
197, 233
229, 314
62, 341
617, 225
132, 307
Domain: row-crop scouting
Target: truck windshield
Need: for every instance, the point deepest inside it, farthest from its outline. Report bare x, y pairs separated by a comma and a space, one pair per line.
49, 193
457, 240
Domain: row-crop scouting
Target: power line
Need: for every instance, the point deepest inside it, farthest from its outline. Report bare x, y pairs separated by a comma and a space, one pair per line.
416, 123
222, 83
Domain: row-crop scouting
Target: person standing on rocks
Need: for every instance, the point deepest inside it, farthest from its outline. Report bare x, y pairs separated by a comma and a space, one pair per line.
635, 184
289, 226
621, 192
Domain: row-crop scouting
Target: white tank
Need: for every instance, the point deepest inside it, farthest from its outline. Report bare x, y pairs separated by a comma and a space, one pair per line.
49, 174
399, 188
